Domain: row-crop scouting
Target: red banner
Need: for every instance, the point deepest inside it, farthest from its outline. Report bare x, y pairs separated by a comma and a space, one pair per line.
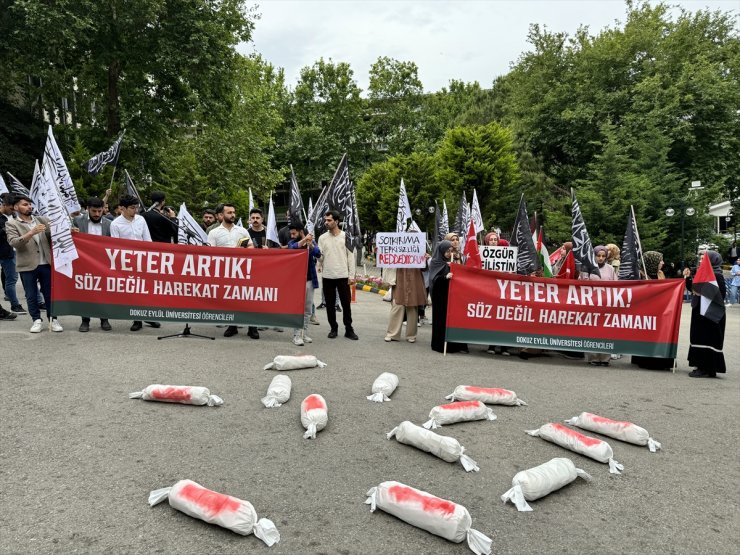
138, 280
629, 317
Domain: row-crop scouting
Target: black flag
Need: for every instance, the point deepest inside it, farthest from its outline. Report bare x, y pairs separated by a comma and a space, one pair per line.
631, 259
527, 261
437, 237
95, 164
338, 196
296, 204
16, 186
462, 217
583, 251
132, 190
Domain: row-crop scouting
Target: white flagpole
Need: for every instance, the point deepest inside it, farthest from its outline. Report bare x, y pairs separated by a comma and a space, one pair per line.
639, 242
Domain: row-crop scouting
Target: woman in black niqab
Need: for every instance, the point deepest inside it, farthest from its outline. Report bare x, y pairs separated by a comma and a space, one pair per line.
439, 287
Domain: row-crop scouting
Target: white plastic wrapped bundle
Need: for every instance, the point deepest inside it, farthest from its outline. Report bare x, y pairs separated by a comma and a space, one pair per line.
216, 508
423, 510
487, 395
591, 447
537, 482
185, 394
461, 411
278, 392
290, 362
314, 415
623, 431
383, 387
446, 448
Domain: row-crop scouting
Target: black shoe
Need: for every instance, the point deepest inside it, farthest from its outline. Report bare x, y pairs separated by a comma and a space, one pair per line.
84, 327
523, 355
332, 334
322, 305
338, 309
696, 373
350, 334
153, 324
105, 324
5, 315
253, 333
136, 326
18, 309
231, 331
595, 363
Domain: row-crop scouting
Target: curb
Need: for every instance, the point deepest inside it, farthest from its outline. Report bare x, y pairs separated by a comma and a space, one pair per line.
369, 289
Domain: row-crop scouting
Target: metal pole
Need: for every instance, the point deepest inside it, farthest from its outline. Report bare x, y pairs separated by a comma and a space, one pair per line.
683, 252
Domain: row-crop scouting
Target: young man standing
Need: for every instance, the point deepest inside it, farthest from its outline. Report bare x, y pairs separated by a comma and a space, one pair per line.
30, 236
257, 229
7, 255
299, 240
161, 228
93, 223
337, 274
129, 225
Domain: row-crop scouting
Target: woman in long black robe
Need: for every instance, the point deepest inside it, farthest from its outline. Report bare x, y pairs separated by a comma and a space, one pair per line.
706, 336
439, 287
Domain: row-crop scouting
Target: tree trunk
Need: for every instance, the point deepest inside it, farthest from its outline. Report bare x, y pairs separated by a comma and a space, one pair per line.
113, 102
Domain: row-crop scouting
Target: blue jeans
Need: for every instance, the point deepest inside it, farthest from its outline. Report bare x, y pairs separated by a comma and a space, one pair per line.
41, 276
734, 295
11, 278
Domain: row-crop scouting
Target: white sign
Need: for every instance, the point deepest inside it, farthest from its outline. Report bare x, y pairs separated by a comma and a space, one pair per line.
401, 250
499, 259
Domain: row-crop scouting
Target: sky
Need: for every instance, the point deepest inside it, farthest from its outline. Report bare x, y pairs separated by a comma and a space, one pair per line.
469, 40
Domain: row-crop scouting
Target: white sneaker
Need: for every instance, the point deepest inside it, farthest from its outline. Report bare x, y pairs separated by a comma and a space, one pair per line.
297, 340
307, 339
55, 325
37, 326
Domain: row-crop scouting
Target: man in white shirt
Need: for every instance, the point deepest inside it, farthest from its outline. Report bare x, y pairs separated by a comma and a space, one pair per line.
92, 222
228, 234
338, 270
129, 225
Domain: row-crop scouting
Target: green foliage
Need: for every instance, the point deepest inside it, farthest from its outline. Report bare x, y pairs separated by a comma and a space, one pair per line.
481, 158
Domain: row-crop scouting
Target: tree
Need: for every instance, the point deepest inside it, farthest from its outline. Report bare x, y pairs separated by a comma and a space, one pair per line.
324, 119
481, 158
394, 95
377, 191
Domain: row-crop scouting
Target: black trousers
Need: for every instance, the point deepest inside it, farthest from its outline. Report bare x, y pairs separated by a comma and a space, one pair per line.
332, 288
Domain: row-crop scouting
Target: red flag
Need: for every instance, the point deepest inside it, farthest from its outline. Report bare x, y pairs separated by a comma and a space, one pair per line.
568, 269
705, 285
471, 248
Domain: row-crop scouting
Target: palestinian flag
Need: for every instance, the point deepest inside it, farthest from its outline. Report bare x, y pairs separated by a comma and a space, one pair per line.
542, 254
705, 285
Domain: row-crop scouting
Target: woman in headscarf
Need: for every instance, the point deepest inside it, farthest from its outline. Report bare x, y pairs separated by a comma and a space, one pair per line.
613, 257
456, 257
707, 336
408, 294
607, 274
653, 267
492, 239
558, 261
439, 286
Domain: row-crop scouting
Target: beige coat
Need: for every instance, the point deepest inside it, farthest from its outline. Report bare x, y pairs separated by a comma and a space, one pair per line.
27, 250
409, 289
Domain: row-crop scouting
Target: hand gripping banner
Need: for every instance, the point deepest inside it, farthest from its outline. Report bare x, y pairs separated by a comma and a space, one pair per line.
137, 280
628, 317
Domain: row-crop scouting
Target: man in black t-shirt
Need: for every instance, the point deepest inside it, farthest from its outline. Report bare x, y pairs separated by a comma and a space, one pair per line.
161, 228
257, 230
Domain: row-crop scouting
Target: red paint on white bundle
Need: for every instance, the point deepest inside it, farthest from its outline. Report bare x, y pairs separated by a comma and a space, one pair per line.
173, 394
488, 395
313, 402
586, 440
213, 502
429, 503
461, 411
618, 429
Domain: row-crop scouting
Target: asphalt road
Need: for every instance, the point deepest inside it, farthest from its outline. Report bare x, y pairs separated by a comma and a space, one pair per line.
78, 457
